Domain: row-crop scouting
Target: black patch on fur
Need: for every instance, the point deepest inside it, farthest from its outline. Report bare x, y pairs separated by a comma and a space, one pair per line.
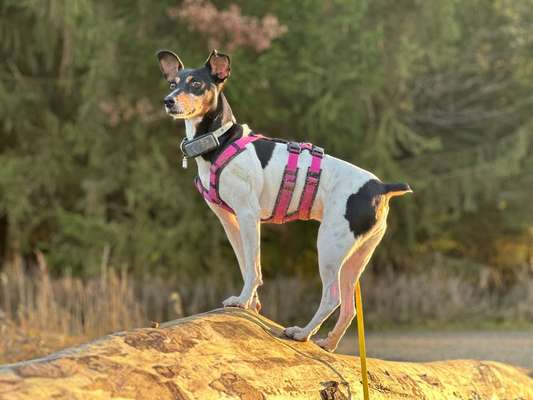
233, 134
201, 75
215, 119
361, 207
264, 149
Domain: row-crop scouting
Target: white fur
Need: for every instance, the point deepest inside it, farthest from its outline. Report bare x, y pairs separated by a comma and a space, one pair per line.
252, 191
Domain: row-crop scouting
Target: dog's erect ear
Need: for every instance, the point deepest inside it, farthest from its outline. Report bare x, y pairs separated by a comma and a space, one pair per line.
219, 65
169, 63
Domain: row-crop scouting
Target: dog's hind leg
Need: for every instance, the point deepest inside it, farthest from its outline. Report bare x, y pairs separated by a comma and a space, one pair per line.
232, 229
350, 273
335, 243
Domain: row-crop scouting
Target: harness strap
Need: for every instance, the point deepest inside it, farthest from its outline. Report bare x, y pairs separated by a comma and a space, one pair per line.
312, 180
216, 168
288, 182
205, 193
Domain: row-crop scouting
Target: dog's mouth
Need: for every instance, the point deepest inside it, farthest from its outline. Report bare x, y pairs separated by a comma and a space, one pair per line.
178, 112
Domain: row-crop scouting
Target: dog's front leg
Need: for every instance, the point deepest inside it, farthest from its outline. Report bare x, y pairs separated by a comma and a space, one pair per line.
249, 229
232, 229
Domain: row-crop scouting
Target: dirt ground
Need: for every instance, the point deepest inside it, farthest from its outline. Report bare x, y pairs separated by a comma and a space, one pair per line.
512, 347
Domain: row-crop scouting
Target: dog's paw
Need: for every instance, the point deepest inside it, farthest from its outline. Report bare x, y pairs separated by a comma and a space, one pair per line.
297, 333
327, 344
236, 301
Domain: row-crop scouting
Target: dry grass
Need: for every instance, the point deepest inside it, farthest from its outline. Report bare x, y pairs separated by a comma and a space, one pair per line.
110, 302
43, 313
439, 298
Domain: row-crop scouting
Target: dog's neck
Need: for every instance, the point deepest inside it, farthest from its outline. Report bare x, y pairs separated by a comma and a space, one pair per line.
211, 121
214, 119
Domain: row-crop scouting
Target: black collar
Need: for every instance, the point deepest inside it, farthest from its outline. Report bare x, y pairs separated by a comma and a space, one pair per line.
211, 144
205, 143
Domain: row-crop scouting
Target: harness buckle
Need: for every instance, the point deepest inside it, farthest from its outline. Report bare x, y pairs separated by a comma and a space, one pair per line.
314, 175
294, 148
317, 151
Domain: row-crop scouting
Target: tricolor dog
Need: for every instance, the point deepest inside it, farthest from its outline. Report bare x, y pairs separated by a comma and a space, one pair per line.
248, 179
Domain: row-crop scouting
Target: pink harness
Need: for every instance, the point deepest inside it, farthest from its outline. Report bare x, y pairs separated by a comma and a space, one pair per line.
288, 182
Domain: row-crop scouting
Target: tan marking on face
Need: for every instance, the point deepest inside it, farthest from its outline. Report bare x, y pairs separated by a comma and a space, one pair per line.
188, 79
193, 106
209, 95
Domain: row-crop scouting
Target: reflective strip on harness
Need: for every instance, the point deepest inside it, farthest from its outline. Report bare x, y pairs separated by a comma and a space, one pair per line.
288, 181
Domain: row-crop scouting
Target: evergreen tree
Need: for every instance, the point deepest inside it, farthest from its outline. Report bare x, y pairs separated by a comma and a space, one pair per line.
433, 93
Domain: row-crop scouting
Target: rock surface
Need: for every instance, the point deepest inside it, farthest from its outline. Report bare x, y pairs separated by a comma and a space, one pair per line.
231, 353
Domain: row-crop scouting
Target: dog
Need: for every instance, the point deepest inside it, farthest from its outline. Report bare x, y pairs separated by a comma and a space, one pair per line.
351, 203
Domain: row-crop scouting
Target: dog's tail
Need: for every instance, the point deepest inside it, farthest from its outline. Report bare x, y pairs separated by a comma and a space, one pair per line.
396, 189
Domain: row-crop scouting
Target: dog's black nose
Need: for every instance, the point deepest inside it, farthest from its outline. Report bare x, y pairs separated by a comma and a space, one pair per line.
169, 101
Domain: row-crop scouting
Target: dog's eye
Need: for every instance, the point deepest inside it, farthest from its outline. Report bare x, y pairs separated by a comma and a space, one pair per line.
196, 84
173, 85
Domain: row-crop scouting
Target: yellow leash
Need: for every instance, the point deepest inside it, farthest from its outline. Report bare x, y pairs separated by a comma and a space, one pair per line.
361, 336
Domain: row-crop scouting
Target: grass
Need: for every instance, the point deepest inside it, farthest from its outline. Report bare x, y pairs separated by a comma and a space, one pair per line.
437, 298
92, 307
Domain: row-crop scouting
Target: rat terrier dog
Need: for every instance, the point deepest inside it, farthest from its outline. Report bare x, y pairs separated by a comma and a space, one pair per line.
248, 179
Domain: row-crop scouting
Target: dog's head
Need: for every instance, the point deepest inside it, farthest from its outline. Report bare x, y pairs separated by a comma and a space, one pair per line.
193, 92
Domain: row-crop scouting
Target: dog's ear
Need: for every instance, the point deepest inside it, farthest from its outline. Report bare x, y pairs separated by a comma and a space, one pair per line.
219, 65
169, 63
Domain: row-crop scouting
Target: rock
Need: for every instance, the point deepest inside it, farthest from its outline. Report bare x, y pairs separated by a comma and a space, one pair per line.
232, 353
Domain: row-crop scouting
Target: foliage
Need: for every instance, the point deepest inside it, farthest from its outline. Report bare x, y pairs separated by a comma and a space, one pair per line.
433, 93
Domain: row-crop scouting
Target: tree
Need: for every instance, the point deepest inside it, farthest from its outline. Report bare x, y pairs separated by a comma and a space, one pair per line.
433, 93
